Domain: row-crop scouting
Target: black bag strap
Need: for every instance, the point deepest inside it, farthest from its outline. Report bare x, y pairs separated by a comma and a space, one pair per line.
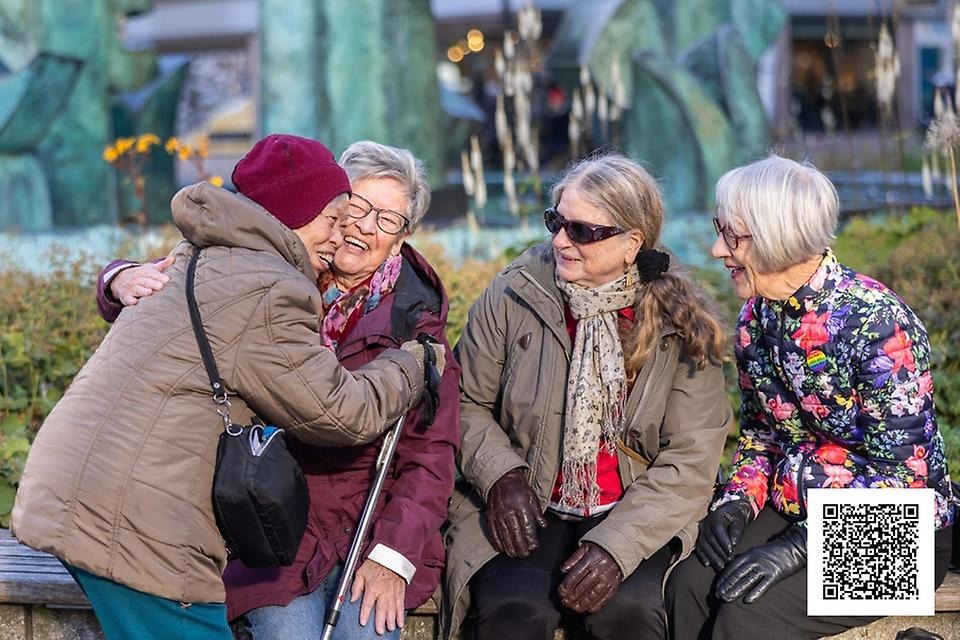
206, 353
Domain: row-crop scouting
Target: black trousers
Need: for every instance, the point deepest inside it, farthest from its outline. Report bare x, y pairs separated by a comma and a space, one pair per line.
516, 598
780, 613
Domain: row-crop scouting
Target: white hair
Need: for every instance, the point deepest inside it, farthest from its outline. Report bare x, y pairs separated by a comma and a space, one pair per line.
368, 159
790, 210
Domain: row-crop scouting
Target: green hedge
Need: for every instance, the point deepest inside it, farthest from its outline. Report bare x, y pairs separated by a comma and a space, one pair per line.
49, 324
48, 328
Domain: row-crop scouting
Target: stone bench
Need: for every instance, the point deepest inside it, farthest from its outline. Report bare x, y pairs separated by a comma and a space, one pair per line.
39, 600
946, 622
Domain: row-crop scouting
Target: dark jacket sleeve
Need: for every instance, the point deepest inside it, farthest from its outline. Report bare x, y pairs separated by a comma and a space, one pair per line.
108, 307
423, 469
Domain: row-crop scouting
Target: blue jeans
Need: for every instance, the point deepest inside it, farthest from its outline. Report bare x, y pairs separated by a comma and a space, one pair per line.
303, 618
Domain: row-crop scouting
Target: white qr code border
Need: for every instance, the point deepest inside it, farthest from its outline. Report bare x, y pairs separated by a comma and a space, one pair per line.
817, 605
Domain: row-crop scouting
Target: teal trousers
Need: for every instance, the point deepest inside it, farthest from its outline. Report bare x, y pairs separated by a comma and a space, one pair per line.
128, 614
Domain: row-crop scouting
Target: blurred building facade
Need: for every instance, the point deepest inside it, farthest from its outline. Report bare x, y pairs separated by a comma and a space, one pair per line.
818, 77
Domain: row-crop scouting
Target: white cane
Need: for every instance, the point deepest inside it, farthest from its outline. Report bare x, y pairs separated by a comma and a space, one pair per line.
346, 578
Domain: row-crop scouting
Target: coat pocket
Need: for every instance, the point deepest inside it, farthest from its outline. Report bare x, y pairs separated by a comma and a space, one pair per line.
636, 462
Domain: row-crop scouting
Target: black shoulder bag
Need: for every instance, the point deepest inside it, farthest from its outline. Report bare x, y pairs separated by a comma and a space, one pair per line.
260, 497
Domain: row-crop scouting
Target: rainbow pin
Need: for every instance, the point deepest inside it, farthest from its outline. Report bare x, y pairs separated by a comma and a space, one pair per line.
817, 361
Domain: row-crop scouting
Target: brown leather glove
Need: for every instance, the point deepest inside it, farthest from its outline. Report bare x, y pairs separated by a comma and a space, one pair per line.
593, 577
514, 514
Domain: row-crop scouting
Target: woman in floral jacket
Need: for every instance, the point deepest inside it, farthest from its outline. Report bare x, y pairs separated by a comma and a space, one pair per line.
836, 393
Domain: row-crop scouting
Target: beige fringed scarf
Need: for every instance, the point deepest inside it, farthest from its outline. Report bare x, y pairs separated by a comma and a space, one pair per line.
596, 387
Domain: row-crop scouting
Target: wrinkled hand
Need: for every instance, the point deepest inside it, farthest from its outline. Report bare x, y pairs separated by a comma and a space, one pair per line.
514, 514
416, 349
593, 577
128, 286
720, 532
764, 566
383, 592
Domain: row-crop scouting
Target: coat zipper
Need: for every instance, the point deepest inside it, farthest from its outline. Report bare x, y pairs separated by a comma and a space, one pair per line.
801, 485
529, 278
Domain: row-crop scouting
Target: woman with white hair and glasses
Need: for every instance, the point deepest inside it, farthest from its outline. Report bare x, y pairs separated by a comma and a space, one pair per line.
593, 413
377, 292
836, 392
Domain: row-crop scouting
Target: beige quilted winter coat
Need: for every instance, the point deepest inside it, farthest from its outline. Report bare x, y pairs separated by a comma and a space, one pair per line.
119, 478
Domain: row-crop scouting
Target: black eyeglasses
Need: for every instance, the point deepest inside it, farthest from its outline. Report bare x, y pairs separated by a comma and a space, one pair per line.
578, 232
731, 239
388, 220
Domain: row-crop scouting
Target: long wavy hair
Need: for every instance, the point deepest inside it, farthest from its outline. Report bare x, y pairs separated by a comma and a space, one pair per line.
631, 197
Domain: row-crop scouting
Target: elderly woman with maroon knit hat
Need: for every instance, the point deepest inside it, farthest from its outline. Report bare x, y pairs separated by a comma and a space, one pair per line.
377, 292
119, 478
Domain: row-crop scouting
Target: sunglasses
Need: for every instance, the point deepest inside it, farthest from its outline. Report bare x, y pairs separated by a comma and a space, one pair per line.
578, 232
730, 237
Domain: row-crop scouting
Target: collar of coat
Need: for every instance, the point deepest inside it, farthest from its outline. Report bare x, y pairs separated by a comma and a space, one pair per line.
820, 285
209, 216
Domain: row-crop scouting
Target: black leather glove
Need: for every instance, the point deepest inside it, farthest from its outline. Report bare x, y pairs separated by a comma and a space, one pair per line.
432, 370
764, 566
593, 577
720, 532
514, 514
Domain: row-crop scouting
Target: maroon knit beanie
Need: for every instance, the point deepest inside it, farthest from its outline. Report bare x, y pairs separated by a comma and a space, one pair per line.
293, 178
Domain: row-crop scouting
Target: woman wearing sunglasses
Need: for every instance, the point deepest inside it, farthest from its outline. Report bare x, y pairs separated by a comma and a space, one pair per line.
836, 392
593, 415
377, 290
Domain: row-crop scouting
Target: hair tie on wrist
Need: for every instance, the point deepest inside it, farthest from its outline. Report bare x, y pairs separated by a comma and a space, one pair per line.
652, 264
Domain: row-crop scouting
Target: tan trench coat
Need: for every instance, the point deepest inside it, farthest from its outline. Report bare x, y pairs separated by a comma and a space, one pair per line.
119, 478
515, 354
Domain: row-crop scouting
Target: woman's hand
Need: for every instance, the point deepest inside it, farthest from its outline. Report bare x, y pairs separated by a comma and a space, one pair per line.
514, 514
764, 566
720, 532
383, 592
593, 577
128, 286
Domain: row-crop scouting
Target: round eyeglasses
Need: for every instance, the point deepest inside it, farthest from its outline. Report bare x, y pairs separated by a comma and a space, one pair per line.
388, 220
578, 232
730, 238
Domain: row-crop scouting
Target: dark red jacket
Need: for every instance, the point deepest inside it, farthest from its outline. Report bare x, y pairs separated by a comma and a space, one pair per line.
413, 504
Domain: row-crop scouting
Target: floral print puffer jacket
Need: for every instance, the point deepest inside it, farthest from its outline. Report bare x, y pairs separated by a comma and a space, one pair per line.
836, 392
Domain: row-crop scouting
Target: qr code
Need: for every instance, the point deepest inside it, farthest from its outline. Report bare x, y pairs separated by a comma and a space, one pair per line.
870, 552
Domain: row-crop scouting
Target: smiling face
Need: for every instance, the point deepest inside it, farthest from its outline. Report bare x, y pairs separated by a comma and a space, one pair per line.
591, 265
322, 235
365, 245
748, 280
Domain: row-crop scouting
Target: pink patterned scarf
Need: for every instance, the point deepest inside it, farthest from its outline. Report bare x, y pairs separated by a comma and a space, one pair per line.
342, 309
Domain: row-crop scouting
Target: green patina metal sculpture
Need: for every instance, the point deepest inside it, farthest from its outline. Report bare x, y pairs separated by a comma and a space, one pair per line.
690, 70
64, 61
374, 76
30, 100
